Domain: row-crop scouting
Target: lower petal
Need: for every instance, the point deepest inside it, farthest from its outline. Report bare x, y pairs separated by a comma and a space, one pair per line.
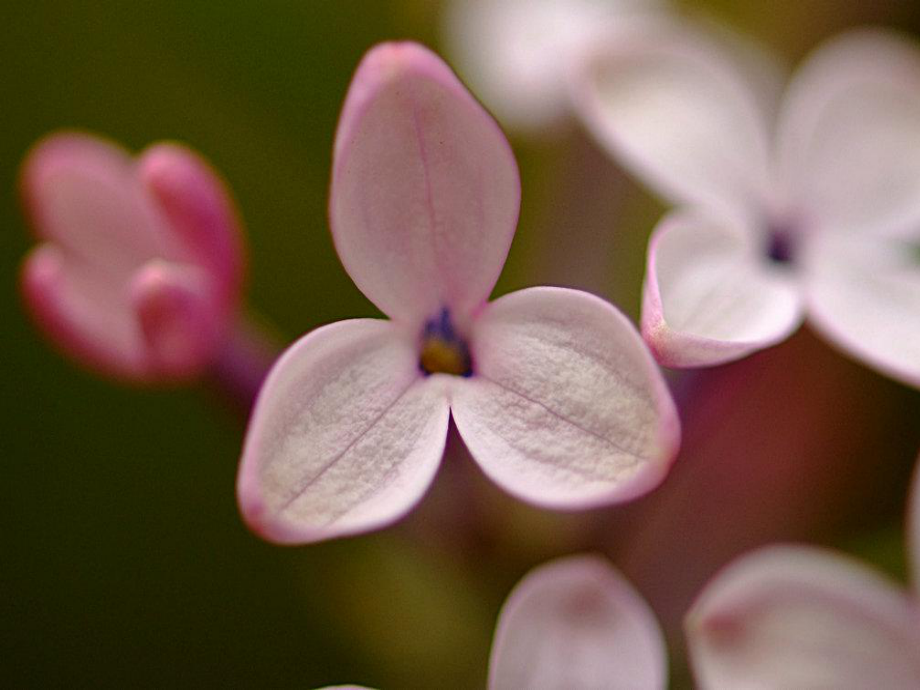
85, 313
795, 617
864, 295
566, 408
708, 297
345, 437
576, 623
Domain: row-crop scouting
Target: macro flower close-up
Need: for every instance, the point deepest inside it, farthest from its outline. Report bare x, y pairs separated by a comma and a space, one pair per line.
458, 344
551, 389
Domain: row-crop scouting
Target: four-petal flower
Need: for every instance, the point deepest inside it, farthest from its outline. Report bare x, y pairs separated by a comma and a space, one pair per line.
552, 389
811, 203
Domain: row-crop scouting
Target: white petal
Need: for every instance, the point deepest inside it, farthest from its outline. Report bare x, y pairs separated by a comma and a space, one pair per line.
796, 617
425, 188
864, 295
849, 131
576, 623
677, 109
516, 54
566, 408
345, 437
709, 297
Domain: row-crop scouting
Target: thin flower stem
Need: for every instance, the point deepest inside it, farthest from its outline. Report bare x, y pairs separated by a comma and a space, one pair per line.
249, 352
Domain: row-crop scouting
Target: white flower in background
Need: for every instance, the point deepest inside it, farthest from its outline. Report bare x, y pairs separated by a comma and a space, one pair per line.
808, 204
516, 54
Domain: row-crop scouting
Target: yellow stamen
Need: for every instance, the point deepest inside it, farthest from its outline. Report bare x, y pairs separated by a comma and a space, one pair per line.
442, 357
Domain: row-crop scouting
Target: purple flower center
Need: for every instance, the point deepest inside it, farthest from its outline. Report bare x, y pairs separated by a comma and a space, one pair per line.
781, 243
443, 351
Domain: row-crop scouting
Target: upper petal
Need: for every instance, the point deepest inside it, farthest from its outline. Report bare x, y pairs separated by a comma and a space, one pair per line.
425, 188
709, 297
576, 623
517, 54
82, 193
345, 437
848, 131
863, 294
795, 617
678, 109
566, 408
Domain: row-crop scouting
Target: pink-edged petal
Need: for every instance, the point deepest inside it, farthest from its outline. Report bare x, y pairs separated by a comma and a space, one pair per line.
82, 314
848, 132
198, 206
796, 617
517, 54
709, 297
864, 295
576, 623
566, 408
176, 317
676, 107
425, 189
82, 193
345, 437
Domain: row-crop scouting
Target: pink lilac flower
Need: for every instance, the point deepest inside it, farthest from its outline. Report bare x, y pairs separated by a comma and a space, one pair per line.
800, 617
809, 203
139, 268
551, 389
517, 54
575, 623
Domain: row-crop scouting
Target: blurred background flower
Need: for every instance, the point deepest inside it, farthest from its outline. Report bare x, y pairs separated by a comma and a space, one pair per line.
125, 562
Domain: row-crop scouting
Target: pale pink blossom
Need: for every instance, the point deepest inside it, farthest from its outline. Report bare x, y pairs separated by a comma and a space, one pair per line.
576, 623
551, 389
801, 617
518, 54
802, 203
138, 270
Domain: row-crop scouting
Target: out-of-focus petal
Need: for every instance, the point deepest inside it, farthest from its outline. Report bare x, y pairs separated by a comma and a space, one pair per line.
517, 54
82, 314
671, 104
576, 623
82, 193
864, 294
425, 188
566, 408
848, 134
345, 437
796, 617
200, 210
709, 297
176, 318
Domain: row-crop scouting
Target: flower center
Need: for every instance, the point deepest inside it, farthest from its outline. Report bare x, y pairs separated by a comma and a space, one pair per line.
780, 245
443, 351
